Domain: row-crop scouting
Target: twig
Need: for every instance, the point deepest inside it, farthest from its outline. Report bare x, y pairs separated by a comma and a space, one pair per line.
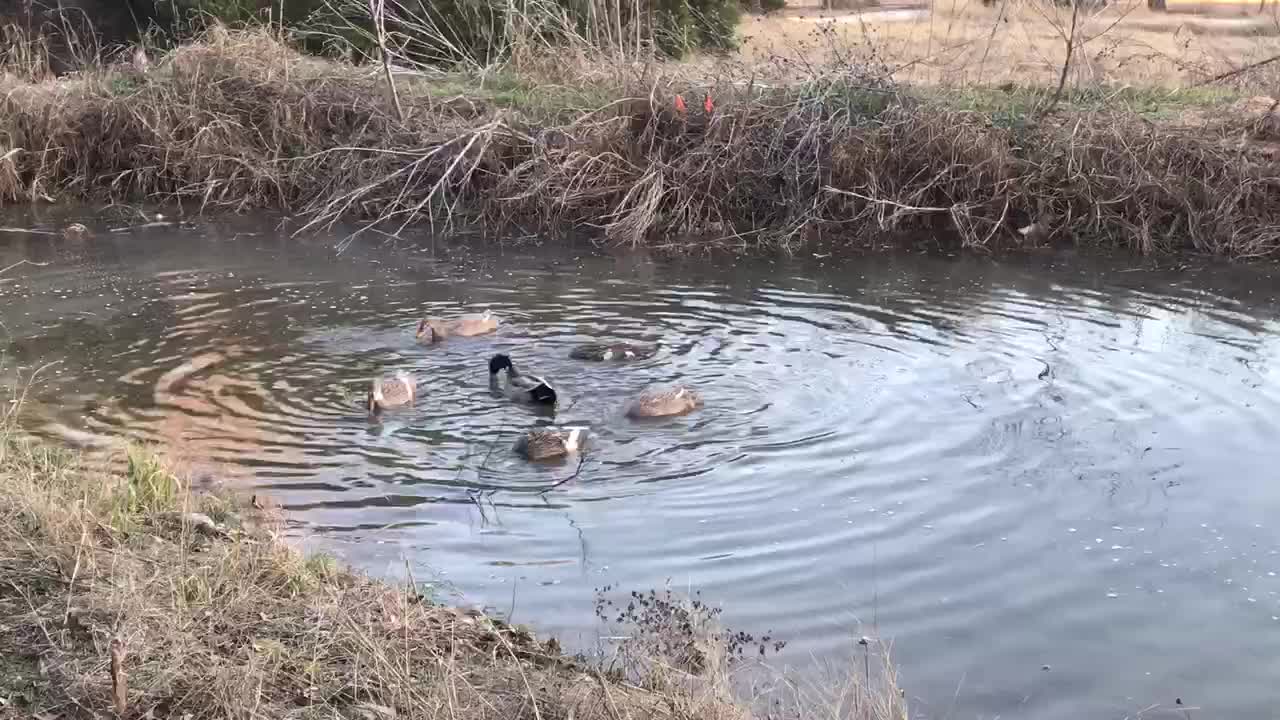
155, 224
581, 460
26, 231
608, 698
879, 201
1238, 71
7, 268
537, 714
377, 9
1066, 64
119, 681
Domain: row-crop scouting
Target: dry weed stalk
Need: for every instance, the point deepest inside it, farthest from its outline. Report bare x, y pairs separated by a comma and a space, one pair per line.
238, 121
236, 624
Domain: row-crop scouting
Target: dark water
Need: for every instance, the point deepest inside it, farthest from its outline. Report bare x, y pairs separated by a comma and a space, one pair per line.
997, 466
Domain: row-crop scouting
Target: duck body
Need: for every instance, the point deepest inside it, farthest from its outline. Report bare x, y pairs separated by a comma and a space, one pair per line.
391, 391
519, 386
548, 444
603, 352
664, 402
432, 330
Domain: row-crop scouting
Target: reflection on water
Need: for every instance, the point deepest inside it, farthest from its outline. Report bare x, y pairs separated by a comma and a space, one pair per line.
999, 466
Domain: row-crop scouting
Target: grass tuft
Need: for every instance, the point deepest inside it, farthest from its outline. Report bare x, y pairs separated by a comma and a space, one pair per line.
234, 623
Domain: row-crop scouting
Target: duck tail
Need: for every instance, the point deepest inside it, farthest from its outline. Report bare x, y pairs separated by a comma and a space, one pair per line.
522, 445
543, 393
575, 437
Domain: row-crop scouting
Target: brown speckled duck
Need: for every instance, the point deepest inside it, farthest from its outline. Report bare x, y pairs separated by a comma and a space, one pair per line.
603, 352
391, 391
432, 330
548, 444
664, 402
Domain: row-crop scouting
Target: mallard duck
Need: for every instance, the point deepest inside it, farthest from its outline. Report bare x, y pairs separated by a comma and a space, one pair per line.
547, 444
391, 391
612, 351
525, 388
433, 330
664, 402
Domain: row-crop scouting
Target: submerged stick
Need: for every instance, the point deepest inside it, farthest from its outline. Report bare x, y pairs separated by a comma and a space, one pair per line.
26, 231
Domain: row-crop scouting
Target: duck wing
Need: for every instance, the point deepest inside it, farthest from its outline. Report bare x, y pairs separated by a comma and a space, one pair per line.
530, 387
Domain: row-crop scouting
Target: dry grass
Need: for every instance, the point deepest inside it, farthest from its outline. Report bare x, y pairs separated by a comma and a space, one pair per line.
229, 622
962, 42
841, 157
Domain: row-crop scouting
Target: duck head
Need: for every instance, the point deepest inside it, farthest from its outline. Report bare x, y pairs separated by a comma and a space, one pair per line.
498, 363
427, 331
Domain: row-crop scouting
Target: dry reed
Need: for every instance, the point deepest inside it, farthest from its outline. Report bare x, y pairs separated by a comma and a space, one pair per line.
240, 121
126, 591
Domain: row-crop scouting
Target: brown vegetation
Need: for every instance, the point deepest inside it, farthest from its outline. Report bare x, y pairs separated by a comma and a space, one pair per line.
126, 592
240, 121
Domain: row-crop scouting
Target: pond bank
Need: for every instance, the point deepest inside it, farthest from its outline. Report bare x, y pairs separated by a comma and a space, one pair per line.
240, 121
131, 592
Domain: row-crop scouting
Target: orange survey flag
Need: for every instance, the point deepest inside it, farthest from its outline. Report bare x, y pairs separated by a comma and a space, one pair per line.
680, 108
708, 105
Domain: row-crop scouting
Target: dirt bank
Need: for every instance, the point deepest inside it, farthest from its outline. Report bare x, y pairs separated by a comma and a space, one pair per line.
127, 595
240, 121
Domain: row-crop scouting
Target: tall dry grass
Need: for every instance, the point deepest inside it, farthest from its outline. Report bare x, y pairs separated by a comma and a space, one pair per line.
844, 157
213, 616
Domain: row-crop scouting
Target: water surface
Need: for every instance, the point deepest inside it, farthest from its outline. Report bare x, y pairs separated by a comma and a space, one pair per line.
999, 466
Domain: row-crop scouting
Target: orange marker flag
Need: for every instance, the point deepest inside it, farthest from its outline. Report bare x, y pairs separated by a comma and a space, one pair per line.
708, 105
680, 107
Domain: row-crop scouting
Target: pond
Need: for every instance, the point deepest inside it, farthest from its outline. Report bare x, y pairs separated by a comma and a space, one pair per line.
1046, 480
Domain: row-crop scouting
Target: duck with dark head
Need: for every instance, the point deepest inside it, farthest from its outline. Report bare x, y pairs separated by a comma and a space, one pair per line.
519, 386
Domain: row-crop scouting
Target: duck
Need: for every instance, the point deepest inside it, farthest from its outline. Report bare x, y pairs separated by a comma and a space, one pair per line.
548, 444
75, 231
664, 402
600, 352
391, 391
525, 388
431, 330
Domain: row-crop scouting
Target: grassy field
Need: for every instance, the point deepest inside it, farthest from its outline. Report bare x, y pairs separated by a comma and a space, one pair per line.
959, 43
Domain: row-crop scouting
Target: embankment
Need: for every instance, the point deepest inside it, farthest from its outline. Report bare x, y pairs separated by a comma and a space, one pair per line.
239, 121
127, 595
